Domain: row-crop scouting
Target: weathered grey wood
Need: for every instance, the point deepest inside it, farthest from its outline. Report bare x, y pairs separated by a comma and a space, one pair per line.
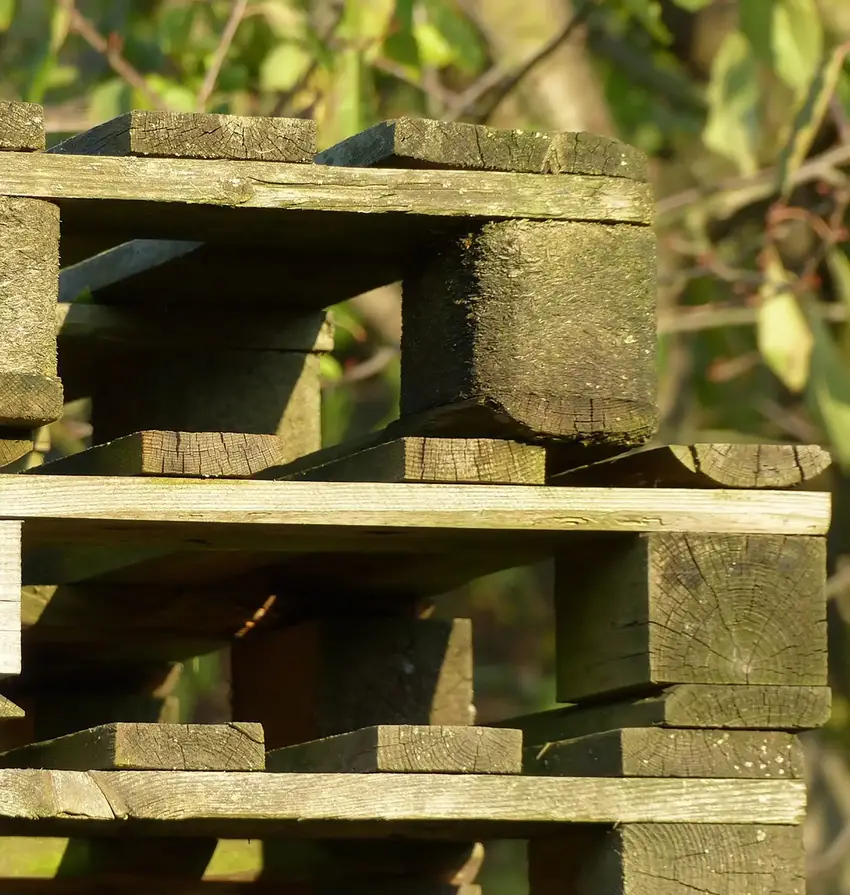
656, 752
406, 749
10, 601
742, 707
414, 459
669, 859
353, 673
255, 392
647, 611
73, 507
210, 275
162, 134
245, 805
532, 341
21, 127
423, 142
8, 710
30, 393
699, 466
14, 444
185, 454
236, 746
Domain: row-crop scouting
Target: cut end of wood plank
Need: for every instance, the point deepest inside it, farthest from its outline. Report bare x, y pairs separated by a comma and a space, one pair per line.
753, 465
160, 134
14, 445
237, 746
9, 710
422, 142
410, 749
28, 400
21, 127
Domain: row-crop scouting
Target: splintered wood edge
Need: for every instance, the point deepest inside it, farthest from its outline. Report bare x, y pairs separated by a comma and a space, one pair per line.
243, 803
404, 506
302, 188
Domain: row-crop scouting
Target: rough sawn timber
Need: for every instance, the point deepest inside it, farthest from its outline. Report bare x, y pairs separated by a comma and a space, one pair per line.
21, 127
248, 805
406, 749
699, 466
10, 601
236, 746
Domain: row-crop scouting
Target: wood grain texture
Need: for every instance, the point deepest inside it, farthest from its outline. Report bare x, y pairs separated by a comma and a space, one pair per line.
194, 390
14, 444
532, 342
353, 673
10, 601
406, 749
21, 127
148, 747
412, 459
183, 454
30, 393
423, 142
162, 134
245, 805
670, 859
656, 752
639, 612
741, 707
698, 466
70, 179
290, 508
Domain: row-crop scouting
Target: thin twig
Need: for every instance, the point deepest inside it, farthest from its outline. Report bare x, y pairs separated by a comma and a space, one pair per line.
496, 83
79, 24
719, 317
230, 29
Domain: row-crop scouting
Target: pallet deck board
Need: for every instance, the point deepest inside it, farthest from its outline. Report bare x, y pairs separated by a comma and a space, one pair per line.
245, 805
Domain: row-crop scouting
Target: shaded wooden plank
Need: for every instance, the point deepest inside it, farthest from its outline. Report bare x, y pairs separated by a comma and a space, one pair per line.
423, 142
295, 508
165, 134
21, 127
532, 343
165, 747
414, 459
353, 672
30, 393
656, 752
699, 466
183, 454
405, 749
742, 707
641, 612
243, 805
668, 859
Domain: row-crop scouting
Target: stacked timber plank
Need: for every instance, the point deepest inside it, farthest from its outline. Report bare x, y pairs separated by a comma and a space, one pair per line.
199, 257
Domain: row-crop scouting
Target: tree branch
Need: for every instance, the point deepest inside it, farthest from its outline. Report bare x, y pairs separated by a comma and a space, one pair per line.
230, 29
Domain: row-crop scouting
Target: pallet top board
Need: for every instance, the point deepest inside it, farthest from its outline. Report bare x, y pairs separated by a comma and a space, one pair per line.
249, 805
68, 507
112, 200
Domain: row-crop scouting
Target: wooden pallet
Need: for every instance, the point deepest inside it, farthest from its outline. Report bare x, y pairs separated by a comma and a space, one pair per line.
199, 255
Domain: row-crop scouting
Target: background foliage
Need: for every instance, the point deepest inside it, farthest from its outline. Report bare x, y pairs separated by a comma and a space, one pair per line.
744, 107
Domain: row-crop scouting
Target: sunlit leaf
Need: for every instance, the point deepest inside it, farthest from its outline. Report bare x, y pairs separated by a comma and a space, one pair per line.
446, 37
366, 22
648, 13
178, 97
285, 66
7, 13
829, 387
692, 5
797, 41
284, 19
784, 337
755, 20
330, 369
733, 95
810, 117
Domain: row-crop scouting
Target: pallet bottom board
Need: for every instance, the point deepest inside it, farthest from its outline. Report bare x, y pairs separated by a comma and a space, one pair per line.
258, 805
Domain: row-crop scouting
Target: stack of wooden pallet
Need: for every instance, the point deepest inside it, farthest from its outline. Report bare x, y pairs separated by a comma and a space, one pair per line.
199, 254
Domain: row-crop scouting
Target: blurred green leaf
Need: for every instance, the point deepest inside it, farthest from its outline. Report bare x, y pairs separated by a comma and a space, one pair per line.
330, 368
732, 129
755, 20
365, 24
839, 267
810, 118
285, 66
7, 13
445, 37
692, 5
178, 97
829, 386
798, 42
110, 99
648, 13
782, 330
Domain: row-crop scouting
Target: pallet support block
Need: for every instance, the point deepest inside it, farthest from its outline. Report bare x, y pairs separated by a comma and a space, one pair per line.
642, 612
668, 859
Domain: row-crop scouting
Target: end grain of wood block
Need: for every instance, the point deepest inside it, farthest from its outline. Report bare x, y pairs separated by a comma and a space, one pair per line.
647, 611
658, 752
21, 127
14, 445
406, 749
157, 747
162, 134
740, 707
